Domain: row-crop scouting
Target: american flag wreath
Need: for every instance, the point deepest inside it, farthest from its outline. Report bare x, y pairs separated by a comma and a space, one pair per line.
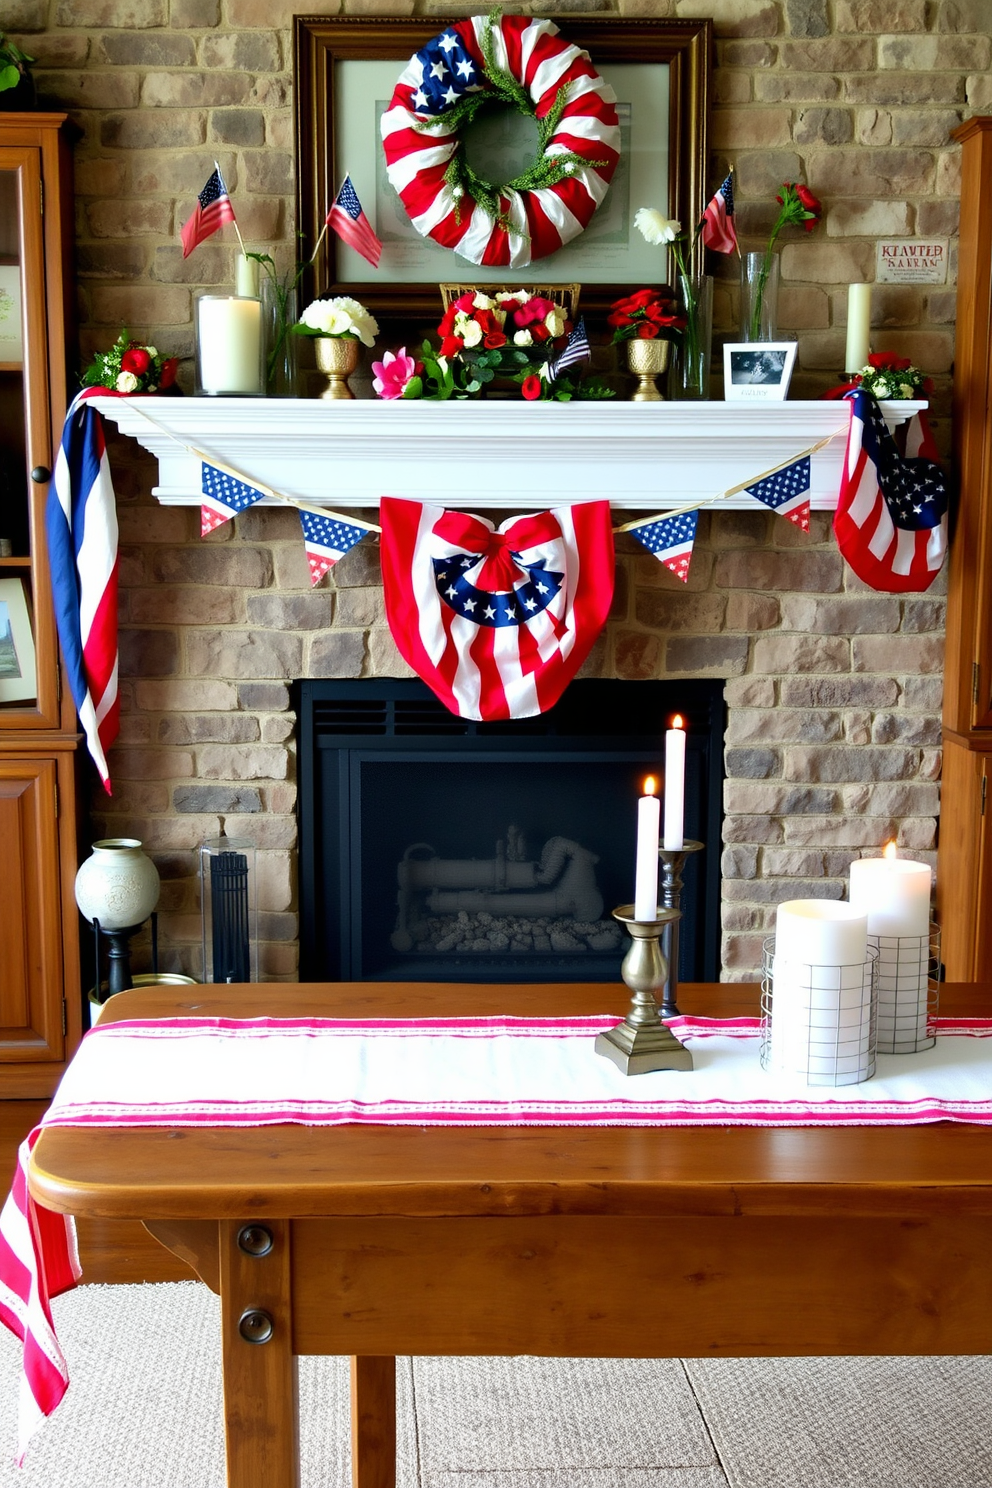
526, 64
497, 621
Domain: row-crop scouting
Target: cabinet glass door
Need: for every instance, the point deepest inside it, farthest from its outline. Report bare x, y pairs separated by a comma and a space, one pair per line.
28, 690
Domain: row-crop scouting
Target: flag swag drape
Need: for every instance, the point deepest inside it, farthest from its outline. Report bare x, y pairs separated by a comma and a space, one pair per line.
498, 622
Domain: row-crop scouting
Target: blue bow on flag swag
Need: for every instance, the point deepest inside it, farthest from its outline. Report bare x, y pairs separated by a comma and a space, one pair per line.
891, 518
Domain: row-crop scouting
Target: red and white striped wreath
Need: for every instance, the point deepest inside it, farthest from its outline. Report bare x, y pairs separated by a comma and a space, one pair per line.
524, 64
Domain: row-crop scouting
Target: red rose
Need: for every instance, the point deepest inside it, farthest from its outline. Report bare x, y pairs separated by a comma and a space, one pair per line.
494, 340
450, 346
540, 332
169, 369
136, 360
809, 201
531, 387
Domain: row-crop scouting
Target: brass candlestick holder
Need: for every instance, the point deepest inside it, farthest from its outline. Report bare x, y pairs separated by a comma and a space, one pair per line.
672, 863
642, 1043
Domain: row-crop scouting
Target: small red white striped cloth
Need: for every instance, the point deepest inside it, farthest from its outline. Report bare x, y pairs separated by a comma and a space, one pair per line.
426, 1072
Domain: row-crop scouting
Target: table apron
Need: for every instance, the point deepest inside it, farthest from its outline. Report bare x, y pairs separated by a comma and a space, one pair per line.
588, 1286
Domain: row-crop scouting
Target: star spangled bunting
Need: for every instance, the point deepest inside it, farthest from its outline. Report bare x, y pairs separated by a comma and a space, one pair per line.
670, 539
326, 538
786, 491
575, 350
718, 227
352, 226
224, 495
213, 208
447, 72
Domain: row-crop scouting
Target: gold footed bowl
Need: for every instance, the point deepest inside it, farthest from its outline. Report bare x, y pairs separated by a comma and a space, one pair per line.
647, 360
337, 358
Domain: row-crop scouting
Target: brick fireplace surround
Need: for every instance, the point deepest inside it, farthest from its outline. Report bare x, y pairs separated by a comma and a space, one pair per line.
833, 691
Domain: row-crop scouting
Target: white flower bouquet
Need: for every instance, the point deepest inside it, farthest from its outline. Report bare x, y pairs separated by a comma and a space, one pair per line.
338, 316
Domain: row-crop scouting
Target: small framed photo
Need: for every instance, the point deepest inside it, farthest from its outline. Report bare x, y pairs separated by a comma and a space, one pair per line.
11, 349
18, 683
759, 370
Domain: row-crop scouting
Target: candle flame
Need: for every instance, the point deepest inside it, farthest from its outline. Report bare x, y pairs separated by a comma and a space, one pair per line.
678, 722
889, 850
650, 786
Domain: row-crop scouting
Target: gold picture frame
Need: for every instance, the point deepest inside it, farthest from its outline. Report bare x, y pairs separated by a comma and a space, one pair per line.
328, 53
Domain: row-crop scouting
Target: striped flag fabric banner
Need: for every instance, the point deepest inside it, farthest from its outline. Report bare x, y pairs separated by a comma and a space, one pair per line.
81, 527
327, 537
670, 539
351, 224
786, 491
224, 495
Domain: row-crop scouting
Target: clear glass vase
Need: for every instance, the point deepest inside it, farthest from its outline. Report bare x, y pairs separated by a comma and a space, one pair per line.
279, 315
760, 275
691, 376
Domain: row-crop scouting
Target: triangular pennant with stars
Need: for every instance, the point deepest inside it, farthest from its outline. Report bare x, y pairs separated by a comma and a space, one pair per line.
327, 537
224, 495
786, 492
670, 539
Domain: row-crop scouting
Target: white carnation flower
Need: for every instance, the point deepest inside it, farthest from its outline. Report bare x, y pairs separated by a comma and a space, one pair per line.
654, 226
882, 389
126, 382
523, 338
472, 334
483, 302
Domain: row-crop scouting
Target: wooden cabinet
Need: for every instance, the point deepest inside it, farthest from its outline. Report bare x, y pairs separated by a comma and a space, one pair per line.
40, 997
964, 868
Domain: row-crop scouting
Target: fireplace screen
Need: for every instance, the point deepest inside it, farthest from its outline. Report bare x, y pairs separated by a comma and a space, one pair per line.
434, 849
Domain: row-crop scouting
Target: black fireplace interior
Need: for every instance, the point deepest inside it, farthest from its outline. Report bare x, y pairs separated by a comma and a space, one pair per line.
437, 849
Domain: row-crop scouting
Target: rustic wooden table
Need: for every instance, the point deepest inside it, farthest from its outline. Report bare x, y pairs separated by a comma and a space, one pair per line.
606, 1242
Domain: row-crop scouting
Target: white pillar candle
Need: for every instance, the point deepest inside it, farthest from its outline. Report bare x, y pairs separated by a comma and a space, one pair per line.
229, 344
893, 892
673, 838
246, 277
646, 865
858, 327
820, 932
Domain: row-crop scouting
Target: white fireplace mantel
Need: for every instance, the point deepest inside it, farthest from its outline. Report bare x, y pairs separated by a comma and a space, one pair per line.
499, 454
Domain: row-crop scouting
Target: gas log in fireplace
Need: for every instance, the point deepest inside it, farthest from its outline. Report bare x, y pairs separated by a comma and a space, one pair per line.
437, 849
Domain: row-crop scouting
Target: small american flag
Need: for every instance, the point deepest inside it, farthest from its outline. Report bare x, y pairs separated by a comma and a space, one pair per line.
575, 350
326, 538
891, 519
213, 208
81, 526
718, 227
670, 539
786, 492
224, 496
352, 226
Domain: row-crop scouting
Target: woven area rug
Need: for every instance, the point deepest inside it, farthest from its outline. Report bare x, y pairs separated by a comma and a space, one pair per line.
144, 1411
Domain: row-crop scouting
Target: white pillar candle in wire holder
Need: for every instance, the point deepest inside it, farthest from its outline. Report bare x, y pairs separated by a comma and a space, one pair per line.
908, 991
819, 995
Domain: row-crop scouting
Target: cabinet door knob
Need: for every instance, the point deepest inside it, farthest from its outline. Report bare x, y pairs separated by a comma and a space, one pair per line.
41, 474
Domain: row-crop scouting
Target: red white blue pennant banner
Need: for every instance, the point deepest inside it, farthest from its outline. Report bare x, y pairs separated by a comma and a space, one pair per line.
496, 621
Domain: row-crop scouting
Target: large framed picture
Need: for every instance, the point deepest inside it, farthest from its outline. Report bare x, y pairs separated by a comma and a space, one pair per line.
345, 73
18, 682
758, 371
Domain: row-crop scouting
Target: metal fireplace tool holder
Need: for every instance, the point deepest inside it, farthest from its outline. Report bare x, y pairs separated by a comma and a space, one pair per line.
643, 1043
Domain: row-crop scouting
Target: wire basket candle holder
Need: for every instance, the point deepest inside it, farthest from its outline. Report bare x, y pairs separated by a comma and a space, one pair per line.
908, 991
819, 1023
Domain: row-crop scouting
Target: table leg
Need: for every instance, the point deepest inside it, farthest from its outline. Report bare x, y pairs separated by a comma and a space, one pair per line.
260, 1377
373, 1421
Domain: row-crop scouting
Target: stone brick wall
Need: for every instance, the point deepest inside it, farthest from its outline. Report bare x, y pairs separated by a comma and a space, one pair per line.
834, 692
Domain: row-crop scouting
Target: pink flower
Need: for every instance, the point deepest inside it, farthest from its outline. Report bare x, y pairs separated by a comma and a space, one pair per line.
393, 373
536, 308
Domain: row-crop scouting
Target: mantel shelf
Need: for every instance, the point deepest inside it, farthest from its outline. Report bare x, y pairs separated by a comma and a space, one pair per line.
500, 454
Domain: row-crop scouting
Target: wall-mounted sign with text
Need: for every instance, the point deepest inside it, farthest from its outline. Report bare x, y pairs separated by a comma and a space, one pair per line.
916, 262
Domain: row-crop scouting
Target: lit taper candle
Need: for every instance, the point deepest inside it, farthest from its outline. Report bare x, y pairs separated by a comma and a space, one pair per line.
673, 839
646, 864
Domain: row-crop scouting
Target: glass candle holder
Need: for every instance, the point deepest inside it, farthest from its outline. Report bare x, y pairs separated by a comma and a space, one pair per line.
228, 901
230, 347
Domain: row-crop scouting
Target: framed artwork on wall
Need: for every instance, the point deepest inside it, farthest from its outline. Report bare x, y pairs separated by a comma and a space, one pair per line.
18, 682
345, 73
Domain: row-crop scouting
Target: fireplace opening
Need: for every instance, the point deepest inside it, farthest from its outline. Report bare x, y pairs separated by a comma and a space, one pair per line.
433, 848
